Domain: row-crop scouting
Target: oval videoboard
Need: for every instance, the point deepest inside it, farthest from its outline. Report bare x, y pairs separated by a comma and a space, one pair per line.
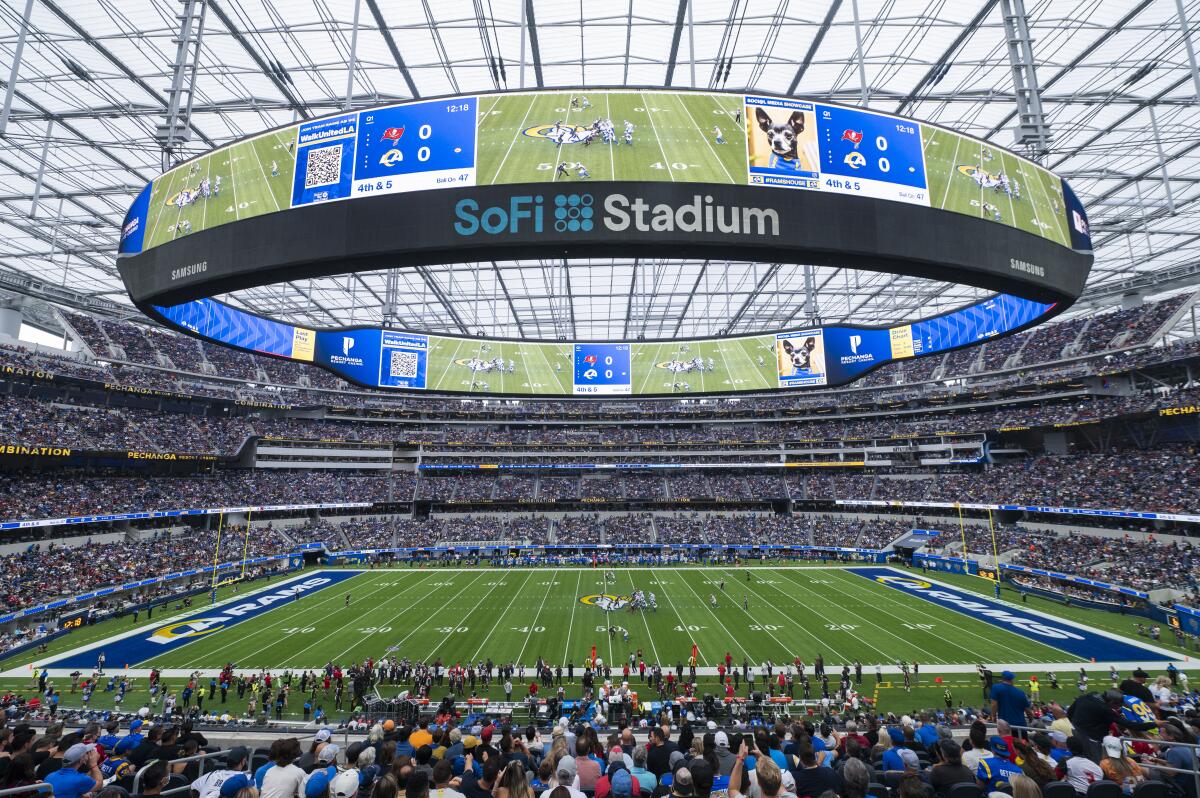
593, 173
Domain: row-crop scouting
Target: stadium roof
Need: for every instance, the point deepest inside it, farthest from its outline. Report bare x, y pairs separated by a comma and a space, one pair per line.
1119, 88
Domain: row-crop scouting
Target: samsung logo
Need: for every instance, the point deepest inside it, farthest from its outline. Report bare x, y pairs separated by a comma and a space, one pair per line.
188, 271
1026, 266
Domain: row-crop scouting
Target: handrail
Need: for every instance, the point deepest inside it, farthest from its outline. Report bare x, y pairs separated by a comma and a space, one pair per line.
40, 787
201, 758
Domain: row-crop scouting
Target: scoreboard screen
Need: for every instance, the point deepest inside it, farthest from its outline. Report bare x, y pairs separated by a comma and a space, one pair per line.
74, 620
415, 147
602, 370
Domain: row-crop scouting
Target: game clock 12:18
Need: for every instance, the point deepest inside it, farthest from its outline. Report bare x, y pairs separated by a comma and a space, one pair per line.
871, 155
602, 369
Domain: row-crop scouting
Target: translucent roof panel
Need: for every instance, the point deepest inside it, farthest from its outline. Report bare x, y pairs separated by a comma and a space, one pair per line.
1119, 89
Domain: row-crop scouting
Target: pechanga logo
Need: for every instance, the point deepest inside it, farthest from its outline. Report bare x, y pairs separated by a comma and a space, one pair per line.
345, 358
991, 611
195, 627
606, 601
347, 344
576, 213
855, 340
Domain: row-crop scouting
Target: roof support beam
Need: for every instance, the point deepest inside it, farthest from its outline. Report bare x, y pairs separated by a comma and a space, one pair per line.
512, 308
680, 14
82, 33
1186, 28
395, 51
958, 42
534, 50
294, 103
691, 295
16, 66
816, 44
441, 295
771, 271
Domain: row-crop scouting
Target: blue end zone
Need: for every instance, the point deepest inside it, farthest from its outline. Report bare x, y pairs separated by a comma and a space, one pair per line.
1077, 640
149, 642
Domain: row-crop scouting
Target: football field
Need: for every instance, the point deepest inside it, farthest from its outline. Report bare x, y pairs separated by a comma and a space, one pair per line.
673, 138
248, 186
739, 364
465, 364
951, 164
558, 614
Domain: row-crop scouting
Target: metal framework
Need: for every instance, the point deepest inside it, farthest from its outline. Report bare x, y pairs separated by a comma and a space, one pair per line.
95, 90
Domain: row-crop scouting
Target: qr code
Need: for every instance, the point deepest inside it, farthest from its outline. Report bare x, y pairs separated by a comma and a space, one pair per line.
403, 364
324, 166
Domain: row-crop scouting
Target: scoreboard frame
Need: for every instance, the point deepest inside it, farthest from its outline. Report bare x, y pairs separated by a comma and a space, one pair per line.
877, 229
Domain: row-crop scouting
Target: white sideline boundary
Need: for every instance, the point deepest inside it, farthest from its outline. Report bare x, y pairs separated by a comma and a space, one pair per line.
1065, 669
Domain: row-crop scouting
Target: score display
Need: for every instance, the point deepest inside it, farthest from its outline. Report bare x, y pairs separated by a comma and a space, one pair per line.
602, 370
803, 358
540, 137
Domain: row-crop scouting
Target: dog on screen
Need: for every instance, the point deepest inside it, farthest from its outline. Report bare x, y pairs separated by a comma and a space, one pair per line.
801, 356
783, 138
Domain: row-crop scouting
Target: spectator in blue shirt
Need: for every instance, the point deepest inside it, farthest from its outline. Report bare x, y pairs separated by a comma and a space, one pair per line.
996, 771
79, 773
1009, 702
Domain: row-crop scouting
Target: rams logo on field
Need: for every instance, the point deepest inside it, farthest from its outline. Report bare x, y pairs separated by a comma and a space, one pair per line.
559, 134
606, 601
904, 581
975, 173
192, 628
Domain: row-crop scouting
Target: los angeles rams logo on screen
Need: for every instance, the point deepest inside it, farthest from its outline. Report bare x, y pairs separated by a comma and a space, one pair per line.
606, 601
559, 134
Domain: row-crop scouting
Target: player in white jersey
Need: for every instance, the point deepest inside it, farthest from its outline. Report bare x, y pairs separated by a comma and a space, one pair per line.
582, 172
628, 132
274, 169
718, 136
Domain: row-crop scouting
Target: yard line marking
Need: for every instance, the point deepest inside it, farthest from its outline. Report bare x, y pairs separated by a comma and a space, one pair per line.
650, 116
538, 614
703, 137
320, 640
645, 623
541, 348
768, 631
612, 145
516, 135
950, 172
482, 603
500, 617
745, 653
263, 172
389, 621
819, 641
682, 623
571, 625
240, 639
971, 654
812, 608
558, 148
937, 660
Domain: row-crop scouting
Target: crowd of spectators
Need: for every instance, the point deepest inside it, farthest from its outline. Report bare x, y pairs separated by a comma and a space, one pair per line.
1144, 565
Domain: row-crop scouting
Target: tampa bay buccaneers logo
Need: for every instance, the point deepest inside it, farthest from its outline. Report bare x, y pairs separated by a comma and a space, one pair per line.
606, 601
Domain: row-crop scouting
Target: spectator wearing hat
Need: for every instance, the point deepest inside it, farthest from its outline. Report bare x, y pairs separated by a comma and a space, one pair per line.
1135, 686
1093, 716
681, 784
79, 773
726, 759
322, 774
1118, 767
564, 778
239, 786
997, 770
308, 760
1009, 702
209, 785
135, 734
891, 757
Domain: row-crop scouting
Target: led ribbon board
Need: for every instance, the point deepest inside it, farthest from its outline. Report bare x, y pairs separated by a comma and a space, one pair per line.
585, 173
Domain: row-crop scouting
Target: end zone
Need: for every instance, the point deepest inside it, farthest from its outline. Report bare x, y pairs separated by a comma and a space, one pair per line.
149, 640
1085, 642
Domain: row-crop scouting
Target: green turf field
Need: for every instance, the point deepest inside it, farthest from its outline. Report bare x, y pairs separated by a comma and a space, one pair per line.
248, 187
521, 614
537, 368
451, 613
673, 138
950, 161
736, 366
